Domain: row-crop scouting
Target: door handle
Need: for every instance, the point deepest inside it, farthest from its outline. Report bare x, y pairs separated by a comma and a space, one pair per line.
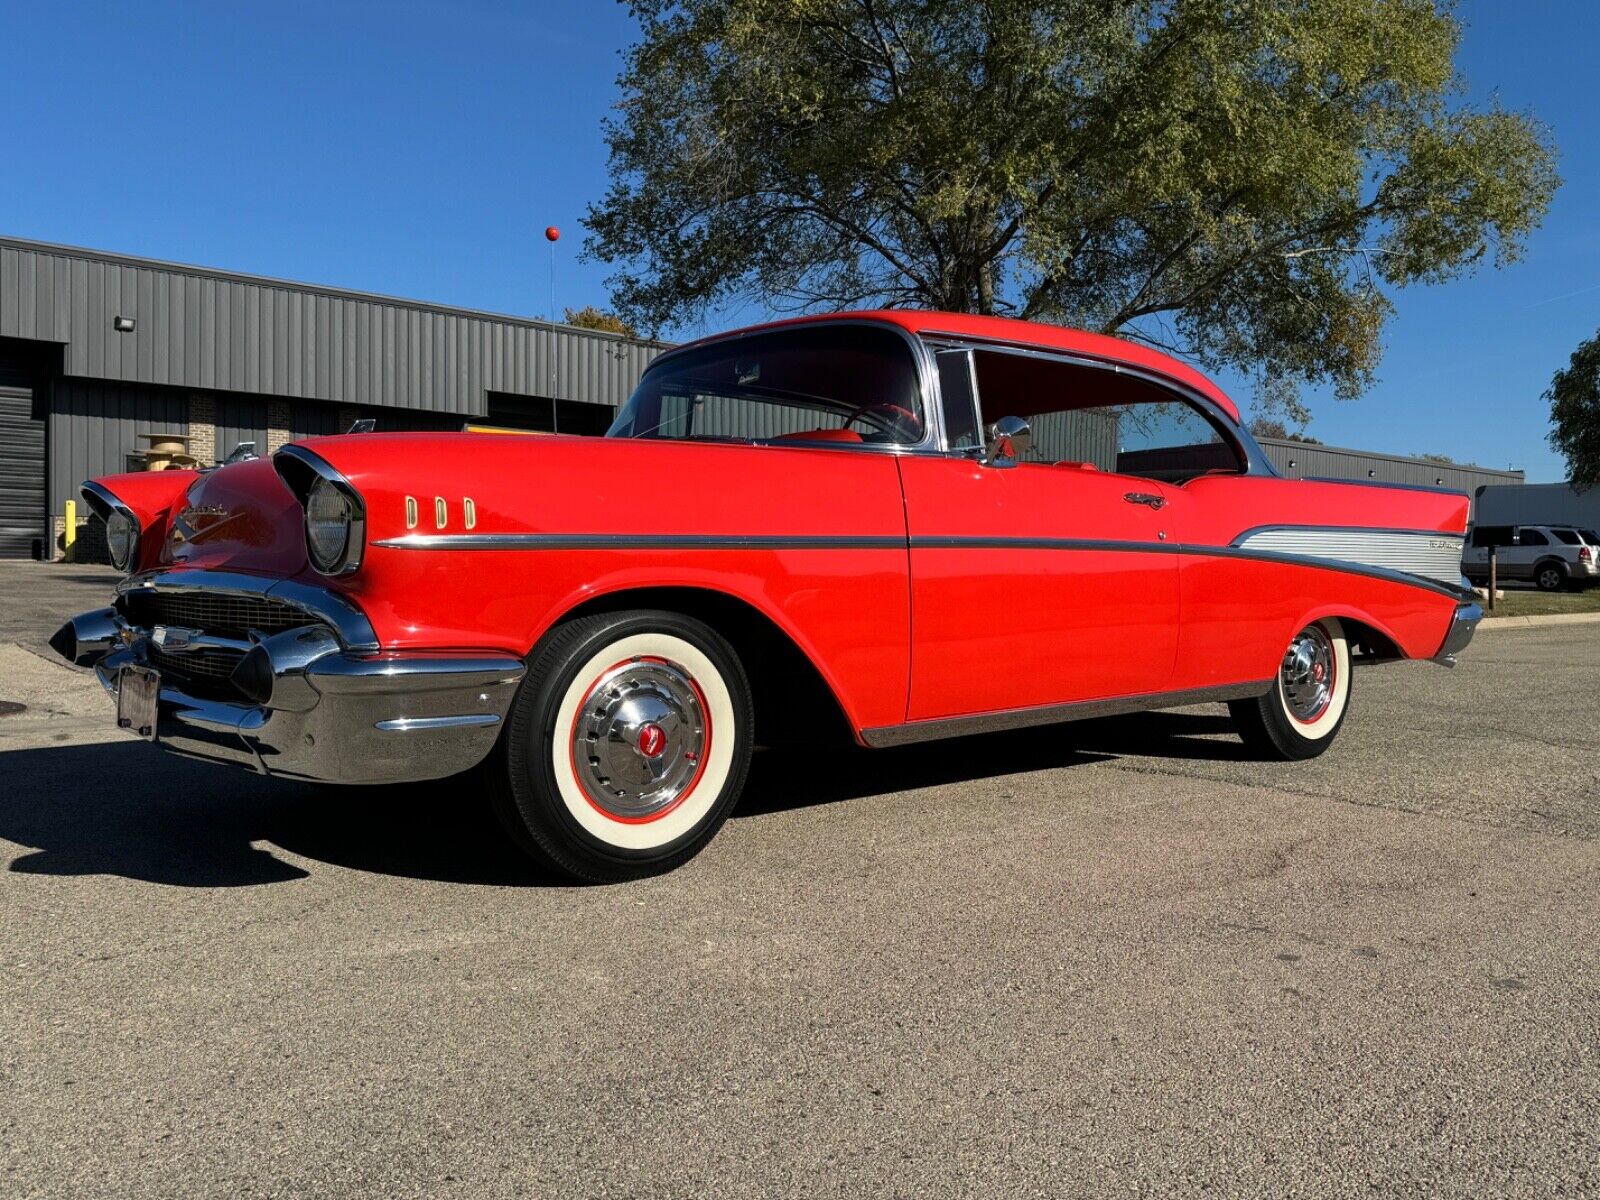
1145, 498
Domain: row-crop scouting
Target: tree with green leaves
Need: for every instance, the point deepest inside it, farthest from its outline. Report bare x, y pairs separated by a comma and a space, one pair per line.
1235, 181
590, 317
1574, 396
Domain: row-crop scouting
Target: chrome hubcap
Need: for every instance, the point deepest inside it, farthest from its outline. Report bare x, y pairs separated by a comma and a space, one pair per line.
1307, 674
640, 738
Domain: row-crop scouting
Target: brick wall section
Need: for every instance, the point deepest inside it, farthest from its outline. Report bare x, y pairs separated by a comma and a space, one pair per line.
279, 421
203, 429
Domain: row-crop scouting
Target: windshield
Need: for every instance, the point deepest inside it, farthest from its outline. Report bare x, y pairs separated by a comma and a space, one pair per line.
826, 383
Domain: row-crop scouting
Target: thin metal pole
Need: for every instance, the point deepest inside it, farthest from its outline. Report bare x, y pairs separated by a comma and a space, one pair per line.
555, 415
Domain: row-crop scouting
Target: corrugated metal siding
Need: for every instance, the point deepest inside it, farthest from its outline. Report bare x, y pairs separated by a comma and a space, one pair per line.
1311, 461
314, 420
21, 471
1540, 504
240, 419
1076, 435
94, 426
197, 328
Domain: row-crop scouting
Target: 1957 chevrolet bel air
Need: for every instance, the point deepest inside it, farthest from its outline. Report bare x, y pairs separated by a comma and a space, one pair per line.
917, 524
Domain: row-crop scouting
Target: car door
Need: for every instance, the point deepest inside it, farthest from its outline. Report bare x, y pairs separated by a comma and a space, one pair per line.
1045, 582
1531, 546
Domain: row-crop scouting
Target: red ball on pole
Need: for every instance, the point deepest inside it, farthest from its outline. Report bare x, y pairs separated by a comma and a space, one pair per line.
552, 234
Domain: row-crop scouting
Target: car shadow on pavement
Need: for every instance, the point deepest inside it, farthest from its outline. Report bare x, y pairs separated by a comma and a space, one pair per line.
784, 778
127, 809
1187, 735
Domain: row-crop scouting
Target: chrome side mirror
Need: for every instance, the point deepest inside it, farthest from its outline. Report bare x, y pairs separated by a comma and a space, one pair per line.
1009, 439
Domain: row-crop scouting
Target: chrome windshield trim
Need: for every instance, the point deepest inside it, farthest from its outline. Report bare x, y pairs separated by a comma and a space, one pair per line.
932, 423
349, 622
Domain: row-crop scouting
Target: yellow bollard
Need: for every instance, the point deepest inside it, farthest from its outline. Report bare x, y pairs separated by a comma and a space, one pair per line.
69, 532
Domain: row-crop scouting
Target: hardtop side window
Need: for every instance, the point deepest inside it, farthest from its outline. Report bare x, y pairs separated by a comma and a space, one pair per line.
825, 383
1492, 535
1567, 537
1532, 537
1098, 419
957, 400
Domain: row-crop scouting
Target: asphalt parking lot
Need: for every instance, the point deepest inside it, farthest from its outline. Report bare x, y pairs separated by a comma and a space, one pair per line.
1110, 958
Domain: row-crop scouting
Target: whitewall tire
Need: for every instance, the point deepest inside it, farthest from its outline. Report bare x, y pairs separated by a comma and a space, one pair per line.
627, 745
1303, 712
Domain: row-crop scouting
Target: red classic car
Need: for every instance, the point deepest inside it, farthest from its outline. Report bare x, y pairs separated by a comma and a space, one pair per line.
920, 524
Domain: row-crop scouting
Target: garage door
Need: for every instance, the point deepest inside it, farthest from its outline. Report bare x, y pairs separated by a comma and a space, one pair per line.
21, 473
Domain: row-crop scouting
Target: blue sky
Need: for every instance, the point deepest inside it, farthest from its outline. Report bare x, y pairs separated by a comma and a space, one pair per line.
420, 149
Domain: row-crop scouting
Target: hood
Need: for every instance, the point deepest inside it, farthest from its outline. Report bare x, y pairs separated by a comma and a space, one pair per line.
238, 518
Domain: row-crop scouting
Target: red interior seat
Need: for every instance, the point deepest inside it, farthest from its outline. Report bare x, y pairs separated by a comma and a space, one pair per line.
820, 435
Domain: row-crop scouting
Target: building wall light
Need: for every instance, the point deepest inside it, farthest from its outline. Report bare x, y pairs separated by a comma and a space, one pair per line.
122, 324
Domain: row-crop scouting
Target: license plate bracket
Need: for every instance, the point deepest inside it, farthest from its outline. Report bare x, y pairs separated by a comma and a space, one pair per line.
138, 695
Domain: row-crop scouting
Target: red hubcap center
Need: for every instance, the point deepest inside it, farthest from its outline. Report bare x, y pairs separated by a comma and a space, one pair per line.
1318, 671
652, 740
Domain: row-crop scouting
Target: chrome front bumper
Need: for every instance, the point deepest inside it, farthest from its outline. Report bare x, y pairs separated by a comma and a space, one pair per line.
312, 706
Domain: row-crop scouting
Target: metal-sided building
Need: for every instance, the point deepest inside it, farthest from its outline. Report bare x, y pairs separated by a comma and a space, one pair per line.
1312, 460
98, 352
98, 349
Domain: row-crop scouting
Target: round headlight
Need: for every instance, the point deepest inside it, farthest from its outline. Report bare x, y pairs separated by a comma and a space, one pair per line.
122, 538
328, 517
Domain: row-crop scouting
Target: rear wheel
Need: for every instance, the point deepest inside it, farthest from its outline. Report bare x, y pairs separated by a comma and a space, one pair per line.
627, 745
1550, 576
1301, 715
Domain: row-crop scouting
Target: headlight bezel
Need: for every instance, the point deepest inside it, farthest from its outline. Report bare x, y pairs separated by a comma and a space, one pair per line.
104, 504
307, 475
122, 533
328, 516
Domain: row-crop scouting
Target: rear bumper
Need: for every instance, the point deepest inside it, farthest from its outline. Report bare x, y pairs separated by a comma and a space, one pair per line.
307, 704
1462, 626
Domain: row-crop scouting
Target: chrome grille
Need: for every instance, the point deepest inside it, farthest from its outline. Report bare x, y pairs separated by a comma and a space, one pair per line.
223, 614
195, 664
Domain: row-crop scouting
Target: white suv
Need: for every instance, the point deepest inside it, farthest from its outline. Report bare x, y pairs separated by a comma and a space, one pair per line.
1552, 556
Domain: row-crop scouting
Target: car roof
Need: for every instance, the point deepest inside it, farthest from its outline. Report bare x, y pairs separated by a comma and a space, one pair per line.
1014, 332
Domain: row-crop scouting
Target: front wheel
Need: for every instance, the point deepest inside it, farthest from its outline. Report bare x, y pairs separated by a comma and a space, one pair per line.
626, 747
1300, 716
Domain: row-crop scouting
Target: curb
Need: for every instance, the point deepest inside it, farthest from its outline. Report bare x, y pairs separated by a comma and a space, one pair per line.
1489, 622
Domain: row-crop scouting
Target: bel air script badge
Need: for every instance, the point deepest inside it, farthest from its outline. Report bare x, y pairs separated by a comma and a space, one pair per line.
196, 521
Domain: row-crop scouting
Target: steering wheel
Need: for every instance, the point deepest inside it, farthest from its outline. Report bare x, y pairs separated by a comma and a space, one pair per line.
899, 423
